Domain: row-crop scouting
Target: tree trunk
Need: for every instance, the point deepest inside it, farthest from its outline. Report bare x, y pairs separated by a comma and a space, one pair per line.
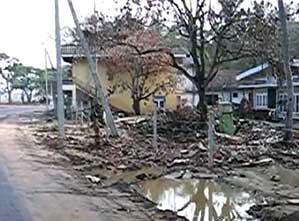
28, 96
94, 120
22, 98
136, 106
202, 101
9, 96
287, 71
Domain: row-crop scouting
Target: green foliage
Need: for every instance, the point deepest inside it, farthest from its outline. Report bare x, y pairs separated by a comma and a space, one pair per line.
28, 79
7, 73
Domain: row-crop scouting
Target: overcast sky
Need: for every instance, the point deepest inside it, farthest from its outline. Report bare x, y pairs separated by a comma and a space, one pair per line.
27, 27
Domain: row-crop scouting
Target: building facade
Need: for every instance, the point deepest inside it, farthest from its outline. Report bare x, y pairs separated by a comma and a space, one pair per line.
83, 88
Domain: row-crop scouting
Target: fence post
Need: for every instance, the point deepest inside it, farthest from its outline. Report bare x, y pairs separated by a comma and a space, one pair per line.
155, 131
211, 139
82, 113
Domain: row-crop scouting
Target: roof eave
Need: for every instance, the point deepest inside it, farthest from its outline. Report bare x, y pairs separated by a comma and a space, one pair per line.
252, 71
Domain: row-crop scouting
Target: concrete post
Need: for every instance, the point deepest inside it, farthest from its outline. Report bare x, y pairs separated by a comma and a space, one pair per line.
60, 101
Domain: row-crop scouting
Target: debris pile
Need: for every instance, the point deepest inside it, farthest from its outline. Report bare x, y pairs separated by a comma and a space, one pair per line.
260, 133
185, 125
253, 145
182, 144
182, 149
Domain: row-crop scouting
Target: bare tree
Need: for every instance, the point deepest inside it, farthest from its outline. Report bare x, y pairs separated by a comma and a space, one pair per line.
212, 36
130, 42
133, 56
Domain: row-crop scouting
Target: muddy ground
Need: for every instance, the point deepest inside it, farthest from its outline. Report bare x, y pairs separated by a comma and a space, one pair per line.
255, 159
41, 184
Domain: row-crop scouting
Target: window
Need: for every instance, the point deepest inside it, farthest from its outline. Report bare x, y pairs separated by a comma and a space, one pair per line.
282, 102
261, 100
159, 101
235, 95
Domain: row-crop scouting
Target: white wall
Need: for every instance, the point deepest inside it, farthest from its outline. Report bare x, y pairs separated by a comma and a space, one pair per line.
191, 100
184, 84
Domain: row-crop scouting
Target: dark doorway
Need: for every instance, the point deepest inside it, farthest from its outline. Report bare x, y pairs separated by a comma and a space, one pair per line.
272, 98
212, 99
250, 98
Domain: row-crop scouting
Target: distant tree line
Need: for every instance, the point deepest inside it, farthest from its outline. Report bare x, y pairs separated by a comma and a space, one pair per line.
16, 76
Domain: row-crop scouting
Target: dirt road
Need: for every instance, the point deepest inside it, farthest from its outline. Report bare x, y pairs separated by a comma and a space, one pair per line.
33, 187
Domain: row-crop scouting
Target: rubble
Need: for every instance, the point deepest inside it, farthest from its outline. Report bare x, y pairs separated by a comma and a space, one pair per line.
181, 143
182, 126
182, 149
93, 179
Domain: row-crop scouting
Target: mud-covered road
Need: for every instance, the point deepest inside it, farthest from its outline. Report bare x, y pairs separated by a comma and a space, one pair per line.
11, 207
33, 187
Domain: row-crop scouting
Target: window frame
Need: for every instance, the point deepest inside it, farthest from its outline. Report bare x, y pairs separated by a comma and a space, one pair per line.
261, 100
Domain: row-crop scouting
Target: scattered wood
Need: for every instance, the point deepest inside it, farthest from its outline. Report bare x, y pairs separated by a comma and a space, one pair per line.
293, 201
235, 139
132, 120
262, 162
93, 179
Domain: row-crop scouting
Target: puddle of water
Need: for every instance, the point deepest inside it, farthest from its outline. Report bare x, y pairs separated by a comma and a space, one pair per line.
199, 200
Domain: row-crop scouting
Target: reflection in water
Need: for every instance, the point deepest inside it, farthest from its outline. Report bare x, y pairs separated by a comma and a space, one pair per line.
199, 200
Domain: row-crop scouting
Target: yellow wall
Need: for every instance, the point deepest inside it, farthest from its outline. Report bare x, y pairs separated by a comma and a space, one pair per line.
120, 99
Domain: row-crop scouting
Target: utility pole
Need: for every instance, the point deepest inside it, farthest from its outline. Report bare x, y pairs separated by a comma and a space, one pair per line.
51, 81
287, 70
94, 6
60, 102
92, 67
46, 81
